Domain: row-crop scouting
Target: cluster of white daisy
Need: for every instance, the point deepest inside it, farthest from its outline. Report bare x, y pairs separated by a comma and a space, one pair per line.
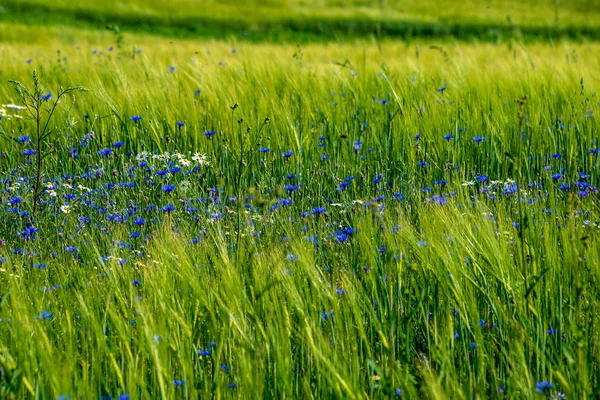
10, 107
189, 160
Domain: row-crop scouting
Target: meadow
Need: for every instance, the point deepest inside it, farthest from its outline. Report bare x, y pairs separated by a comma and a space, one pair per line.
350, 215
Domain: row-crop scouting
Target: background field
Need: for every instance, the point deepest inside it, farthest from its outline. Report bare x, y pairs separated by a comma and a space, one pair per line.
401, 200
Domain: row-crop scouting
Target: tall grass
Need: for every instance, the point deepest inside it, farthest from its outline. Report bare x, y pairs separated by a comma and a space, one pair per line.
427, 273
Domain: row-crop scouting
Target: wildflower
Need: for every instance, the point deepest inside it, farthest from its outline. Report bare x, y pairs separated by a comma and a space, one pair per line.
44, 315
180, 124
210, 134
177, 382
168, 208
357, 146
287, 154
118, 144
46, 96
136, 118
478, 139
23, 139
448, 137
28, 152
264, 150
543, 387
168, 188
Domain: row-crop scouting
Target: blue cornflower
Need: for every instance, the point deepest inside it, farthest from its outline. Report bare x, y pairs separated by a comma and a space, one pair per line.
47, 96
118, 144
264, 150
168, 208
23, 139
136, 118
448, 137
14, 200
210, 134
224, 367
177, 382
478, 139
44, 315
28, 152
139, 221
287, 154
71, 249
168, 188
357, 146
543, 387
180, 124
105, 152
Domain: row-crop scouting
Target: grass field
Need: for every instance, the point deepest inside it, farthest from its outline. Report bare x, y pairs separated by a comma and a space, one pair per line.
358, 213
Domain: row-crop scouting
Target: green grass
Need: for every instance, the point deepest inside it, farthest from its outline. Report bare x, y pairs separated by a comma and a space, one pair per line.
303, 21
407, 288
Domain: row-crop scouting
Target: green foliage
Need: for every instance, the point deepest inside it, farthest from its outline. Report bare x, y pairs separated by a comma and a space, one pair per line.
487, 293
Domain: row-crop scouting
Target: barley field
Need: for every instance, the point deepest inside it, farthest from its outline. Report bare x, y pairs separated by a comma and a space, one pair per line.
299, 199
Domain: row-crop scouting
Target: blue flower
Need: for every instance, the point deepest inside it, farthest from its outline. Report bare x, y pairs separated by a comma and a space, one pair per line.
46, 96
357, 146
136, 118
287, 154
168, 208
210, 134
177, 382
23, 139
264, 150
168, 188
543, 387
118, 144
28, 152
180, 124
478, 139
105, 152
44, 315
